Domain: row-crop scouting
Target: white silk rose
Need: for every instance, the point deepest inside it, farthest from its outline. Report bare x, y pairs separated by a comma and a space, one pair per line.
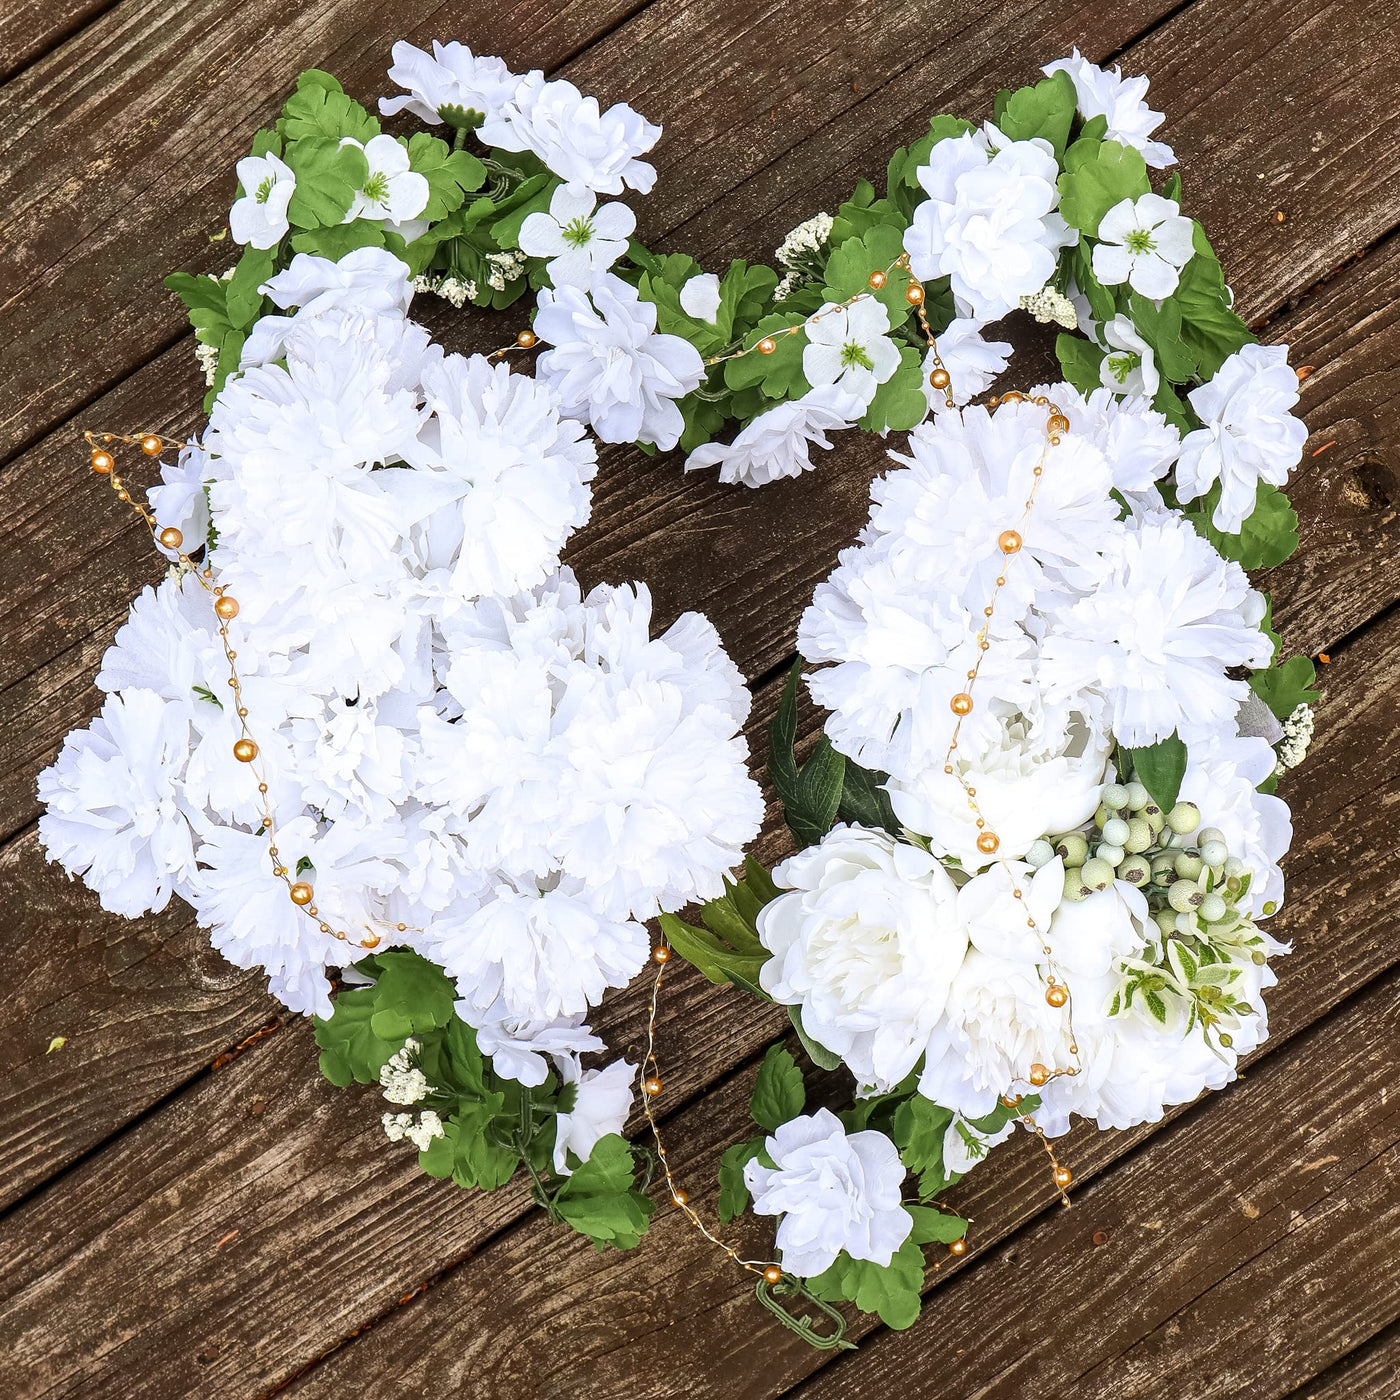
866, 942
833, 1191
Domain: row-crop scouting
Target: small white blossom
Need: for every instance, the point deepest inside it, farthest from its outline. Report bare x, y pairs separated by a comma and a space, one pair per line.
259, 218
429, 1127
400, 1081
849, 346
1144, 242
207, 358
396, 1125
1120, 101
391, 190
1129, 367
579, 239
784, 288
503, 268
809, 236
455, 292
1051, 307
448, 85
1297, 738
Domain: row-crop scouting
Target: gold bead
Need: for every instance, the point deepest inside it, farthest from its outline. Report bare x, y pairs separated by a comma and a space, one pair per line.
245, 750
940, 379
325, 928
878, 279
987, 843
651, 1086
526, 340
262, 787
1013, 396
1009, 541
123, 495
102, 462
958, 1248
151, 445
1063, 1177
913, 294
301, 893
662, 954
680, 1197
1056, 994
402, 928
313, 911
767, 345
1038, 1075
1058, 423
961, 703
1011, 1100
226, 607
242, 712
371, 942
1041, 400
772, 1274
171, 538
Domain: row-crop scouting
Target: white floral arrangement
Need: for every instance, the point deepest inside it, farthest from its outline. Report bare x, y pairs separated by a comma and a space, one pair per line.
369, 708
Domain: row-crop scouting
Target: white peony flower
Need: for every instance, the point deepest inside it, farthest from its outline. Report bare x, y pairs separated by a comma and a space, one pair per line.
1129, 368
989, 222
259, 215
866, 943
1120, 101
114, 804
778, 442
517, 1048
700, 297
585, 146
1157, 633
391, 191
603, 1101
579, 239
448, 85
849, 346
1144, 242
833, 1190
608, 366
971, 362
1249, 433
371, 281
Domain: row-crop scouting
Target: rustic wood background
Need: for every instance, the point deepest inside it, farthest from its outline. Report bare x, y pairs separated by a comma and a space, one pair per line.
189, 1210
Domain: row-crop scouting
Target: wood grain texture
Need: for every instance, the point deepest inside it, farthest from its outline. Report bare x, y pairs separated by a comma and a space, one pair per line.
676, 1318
30, 28
1372, 1372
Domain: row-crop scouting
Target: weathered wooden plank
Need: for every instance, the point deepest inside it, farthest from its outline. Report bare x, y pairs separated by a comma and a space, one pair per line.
30, 28
676, 1318
1372, 1370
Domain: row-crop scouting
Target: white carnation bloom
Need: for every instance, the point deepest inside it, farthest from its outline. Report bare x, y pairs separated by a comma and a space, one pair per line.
371, 281
778, 442
1157, 634
989, 222
866, 942
259, 216
579, 239
1144, 242
833, 1190
179, 501
1137, 442
609, 368
971, 362
585, 146
114, 804
849, 347
1248, 434
1120, 101
509, 479
448, 84
517, 1048
601, 1105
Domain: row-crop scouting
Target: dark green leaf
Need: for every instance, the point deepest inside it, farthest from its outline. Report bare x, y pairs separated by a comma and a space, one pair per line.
818, 794
1160, 768
600, 1199
892, 1292
733, 1194
778, 1093
782, 736
864, 801
816, 1051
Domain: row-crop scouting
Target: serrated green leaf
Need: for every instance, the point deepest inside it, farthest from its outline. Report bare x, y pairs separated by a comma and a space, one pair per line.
899, 402
892, 1291
778, 1092
328, 175
733, 1194
1211, 330
243, 301
1283, 688
1268, 536
780, 374
317, 110
935, 1226
1160, 326
863, 212
849, 267
600, 1199
411, 995
1045, 110
1160, 768
1096, 179
350, 1048
1080, 360
918, 1130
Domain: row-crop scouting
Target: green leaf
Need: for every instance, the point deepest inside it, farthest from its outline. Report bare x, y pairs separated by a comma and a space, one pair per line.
782, 736
892, 1291
1160, 768
818, 794
1268, 536
728, 948
600, 1199
899, 402
864, 801
816, 1051
243, 301
411, 995
902, 174
1102, 301
318, 110
1045, 110
335, 240
1210, 329
733, 1194
1161, 328
1095, 180
1284, 688
328, 177
779, 374
863, 212
935, 1226
918, 1131
351, 1049
1079, 360
849, 267
778, 1092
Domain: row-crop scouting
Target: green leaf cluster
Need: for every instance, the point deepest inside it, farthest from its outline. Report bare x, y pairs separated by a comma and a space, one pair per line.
727, 948
1268, 536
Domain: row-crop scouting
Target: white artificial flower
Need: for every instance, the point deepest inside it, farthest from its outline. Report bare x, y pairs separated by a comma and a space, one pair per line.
585, 146
1297, 738
1248, 432
964, 1145
603, 1099
700, 297
835, 1191
371, 281
391, 191
114, 813
609, 368
1120, 101
400, 1080
778, 442
1129, 368
508, 477
1137, 442
449, 84
1049, 306
971, 363
808, 238
1144, 242
179, 501
1157, 634
579, 239
989, 222
866, 942
850, 347
517, 1048
259, 216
